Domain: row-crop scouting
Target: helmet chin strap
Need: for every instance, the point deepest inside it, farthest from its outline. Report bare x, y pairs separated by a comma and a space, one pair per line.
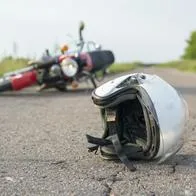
111, 118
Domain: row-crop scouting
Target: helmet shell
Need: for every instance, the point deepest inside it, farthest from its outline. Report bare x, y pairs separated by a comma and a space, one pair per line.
168, 107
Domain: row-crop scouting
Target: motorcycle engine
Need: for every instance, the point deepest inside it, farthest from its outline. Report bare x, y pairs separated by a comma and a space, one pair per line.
55, 70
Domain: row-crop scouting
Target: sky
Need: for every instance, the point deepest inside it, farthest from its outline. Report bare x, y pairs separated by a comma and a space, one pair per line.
135, 30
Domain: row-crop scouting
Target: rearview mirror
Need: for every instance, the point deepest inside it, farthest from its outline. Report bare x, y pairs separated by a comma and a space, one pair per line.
82, 25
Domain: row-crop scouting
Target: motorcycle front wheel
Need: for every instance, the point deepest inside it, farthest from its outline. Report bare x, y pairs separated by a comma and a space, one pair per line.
84, 76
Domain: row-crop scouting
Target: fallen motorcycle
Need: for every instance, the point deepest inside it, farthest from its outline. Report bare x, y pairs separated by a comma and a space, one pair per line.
66, 70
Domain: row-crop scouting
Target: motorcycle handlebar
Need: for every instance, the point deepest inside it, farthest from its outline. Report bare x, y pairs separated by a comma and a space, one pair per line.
81, 36
81, 28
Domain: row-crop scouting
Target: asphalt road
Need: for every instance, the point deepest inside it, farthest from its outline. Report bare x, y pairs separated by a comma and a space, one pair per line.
43, 148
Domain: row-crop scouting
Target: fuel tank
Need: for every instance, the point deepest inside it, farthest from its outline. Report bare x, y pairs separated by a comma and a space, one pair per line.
23, 80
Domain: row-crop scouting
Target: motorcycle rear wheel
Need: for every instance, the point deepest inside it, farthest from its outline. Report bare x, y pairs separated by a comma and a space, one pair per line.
5, 85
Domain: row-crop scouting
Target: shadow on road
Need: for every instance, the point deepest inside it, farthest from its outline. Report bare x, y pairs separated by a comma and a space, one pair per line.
185, 160
186, 90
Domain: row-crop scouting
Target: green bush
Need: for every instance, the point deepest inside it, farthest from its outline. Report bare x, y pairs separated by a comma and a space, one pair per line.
190, 50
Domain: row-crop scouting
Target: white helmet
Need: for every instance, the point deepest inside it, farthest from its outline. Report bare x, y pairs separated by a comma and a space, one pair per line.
143, 116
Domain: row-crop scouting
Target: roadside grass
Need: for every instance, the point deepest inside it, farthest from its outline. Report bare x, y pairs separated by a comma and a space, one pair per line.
123, 67
183, 65
11, 64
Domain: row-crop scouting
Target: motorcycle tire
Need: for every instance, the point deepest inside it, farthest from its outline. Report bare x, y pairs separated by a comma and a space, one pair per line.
61, 88
5, 85
93, 82
100, 76
88, 76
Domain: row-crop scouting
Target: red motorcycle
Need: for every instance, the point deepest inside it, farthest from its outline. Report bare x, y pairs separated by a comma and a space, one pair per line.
59, 71
69, 68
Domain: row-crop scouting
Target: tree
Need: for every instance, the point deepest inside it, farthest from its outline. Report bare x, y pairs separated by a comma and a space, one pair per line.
190, 50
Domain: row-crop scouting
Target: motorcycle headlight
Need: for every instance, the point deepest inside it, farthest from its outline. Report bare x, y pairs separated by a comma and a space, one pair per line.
69, 67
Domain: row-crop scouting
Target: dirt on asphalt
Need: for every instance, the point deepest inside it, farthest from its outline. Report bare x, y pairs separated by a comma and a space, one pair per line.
43, 147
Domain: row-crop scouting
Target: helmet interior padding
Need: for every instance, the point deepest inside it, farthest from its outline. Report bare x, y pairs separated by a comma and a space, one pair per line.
132, 131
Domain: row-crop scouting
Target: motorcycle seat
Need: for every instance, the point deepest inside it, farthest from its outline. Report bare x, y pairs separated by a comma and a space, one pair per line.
101, 59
